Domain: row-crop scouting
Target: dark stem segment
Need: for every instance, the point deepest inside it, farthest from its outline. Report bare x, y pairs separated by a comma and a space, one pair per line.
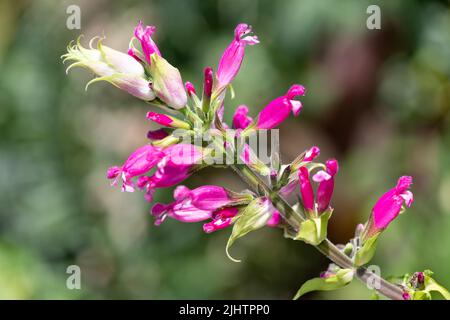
294, 218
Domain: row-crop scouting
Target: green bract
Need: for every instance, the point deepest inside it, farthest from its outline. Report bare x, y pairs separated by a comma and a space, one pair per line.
333, 282
314, 230
253, 217
366, 252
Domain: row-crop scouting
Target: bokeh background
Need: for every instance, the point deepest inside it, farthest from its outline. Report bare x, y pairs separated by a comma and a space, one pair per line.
378, 100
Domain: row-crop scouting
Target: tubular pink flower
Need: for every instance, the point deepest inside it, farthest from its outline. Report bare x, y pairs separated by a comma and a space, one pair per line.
306, 189
210, 197
139, 162
178, 163
195, 205
278, 109
144, 35
208, 82
241, 120
390, 204
232, 58
157, 134
190, 89
326, 185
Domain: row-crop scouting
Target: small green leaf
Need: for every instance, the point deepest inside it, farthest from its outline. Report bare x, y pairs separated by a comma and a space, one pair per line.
314, 230
432, 285
253, 217
366, 252
337, 281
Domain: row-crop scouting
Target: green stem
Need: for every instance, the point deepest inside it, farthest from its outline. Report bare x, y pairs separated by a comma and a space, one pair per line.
294, 218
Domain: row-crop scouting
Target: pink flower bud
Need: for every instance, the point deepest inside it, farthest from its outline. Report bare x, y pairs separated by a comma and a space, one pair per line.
278, 109
420, 277
167, 121
241, 120
144, 35
208, 82
306, 189
190, 88
232, 58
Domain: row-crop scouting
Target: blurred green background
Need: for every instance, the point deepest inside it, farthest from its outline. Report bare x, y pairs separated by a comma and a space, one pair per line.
378, 100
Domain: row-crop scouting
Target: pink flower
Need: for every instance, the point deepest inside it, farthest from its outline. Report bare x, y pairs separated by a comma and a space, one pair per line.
208, 82
390, 204
231, 60
194, 205
326, 185
144, 35
179, 161
241, 120
306, 189
139, 162
278, 109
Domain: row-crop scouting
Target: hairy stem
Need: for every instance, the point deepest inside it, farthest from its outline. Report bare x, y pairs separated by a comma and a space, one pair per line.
294, 218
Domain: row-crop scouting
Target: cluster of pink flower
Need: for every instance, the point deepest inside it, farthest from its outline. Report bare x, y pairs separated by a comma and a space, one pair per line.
145, 74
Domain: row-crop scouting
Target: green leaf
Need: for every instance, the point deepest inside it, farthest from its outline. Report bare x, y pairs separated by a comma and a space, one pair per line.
314, 230
253, 217
432, 285
337, 281
366, 252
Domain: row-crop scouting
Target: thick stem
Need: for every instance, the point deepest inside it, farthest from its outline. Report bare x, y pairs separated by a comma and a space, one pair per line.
294, 218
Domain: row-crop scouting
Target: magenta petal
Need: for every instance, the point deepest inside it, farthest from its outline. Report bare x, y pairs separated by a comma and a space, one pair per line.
142, 160
181, 193
216, 224
159, 118
241, 120
231, 59
189, 213
274, 113
306, 189
390, 204
274, 220
210, 197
